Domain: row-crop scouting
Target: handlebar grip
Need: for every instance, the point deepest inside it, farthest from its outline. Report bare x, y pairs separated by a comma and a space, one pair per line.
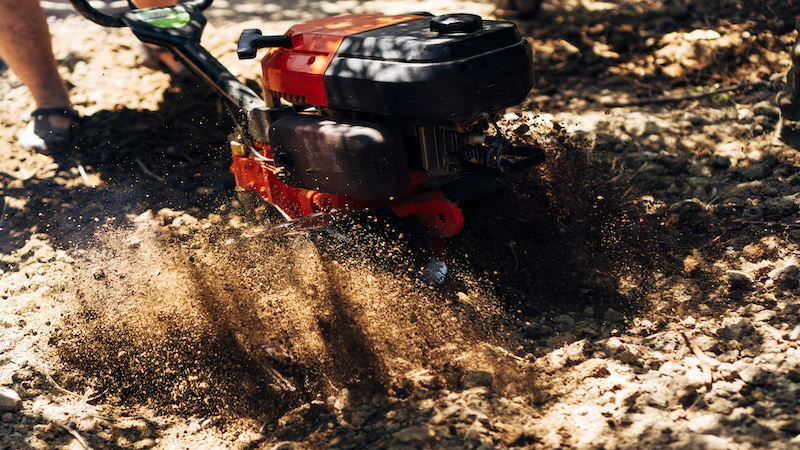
199, 4
106, 20
251, 40
86, 10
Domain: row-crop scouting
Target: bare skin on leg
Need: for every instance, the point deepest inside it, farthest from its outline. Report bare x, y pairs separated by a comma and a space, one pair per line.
27, 50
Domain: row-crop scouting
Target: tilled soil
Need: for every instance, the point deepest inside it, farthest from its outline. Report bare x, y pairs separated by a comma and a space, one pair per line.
637, 290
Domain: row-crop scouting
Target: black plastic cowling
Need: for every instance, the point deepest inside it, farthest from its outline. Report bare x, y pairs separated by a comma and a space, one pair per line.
434, 76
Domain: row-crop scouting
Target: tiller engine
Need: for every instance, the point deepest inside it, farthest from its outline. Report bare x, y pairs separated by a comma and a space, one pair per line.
364, 111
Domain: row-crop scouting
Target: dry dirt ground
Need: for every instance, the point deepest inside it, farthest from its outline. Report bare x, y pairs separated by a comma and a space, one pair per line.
638, 290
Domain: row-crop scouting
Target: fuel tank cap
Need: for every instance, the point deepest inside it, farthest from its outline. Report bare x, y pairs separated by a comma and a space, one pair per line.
456, 23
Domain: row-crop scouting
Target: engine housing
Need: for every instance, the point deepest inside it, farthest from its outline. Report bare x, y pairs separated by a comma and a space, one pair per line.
416, 68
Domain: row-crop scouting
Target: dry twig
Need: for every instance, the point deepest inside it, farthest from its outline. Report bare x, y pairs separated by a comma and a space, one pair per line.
148, 171
84, 177
5, 208
85, 397
514, 252
61, 389
676, 98
628, 191
704, 365
505, 352
74, 434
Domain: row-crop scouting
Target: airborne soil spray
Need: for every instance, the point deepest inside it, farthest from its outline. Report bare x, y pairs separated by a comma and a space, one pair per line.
220, 315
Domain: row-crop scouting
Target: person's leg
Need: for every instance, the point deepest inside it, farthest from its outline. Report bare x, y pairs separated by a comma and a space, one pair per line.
26, 48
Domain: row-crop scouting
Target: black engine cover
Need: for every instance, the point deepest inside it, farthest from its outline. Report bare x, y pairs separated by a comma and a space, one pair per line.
352, 158
440, 70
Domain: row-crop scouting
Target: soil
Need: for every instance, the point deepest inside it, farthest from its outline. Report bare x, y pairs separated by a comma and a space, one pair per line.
637, 290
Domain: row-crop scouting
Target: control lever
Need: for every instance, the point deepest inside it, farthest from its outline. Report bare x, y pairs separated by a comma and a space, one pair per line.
251, 40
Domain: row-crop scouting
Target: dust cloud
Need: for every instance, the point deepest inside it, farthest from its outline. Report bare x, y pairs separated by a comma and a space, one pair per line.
234, 319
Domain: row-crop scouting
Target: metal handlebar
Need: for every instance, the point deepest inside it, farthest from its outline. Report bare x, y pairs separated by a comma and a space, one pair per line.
248, 110
107, 20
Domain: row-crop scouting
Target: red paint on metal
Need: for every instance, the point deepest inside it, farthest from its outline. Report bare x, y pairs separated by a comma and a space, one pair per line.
430, 207
296, 74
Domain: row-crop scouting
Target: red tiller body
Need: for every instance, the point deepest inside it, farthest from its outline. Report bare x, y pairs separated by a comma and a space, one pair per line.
297, 74
363, 111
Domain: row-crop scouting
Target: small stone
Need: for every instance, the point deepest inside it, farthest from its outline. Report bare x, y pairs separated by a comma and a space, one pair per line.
789, 426
705, 424
720, 405
193, 428
682, 388
791, 309
710, 442
735, 331
629, 396
752, 374
594, 368
614, 345
144, 444
764, 316
706, 343
608, 397
727, 371
434, 272
169, 213
795, 334
511, 434
696, 378
98, 274
44, 254
659, 399
23, 375
738, 279
626, 357
442, 416
144, 217
786, 277
416, 435
184, 220
89, 425
531, 330
342, 400
766, 108
9, 400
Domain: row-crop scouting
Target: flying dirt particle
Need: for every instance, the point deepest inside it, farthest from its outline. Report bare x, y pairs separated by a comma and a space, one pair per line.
690, 265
